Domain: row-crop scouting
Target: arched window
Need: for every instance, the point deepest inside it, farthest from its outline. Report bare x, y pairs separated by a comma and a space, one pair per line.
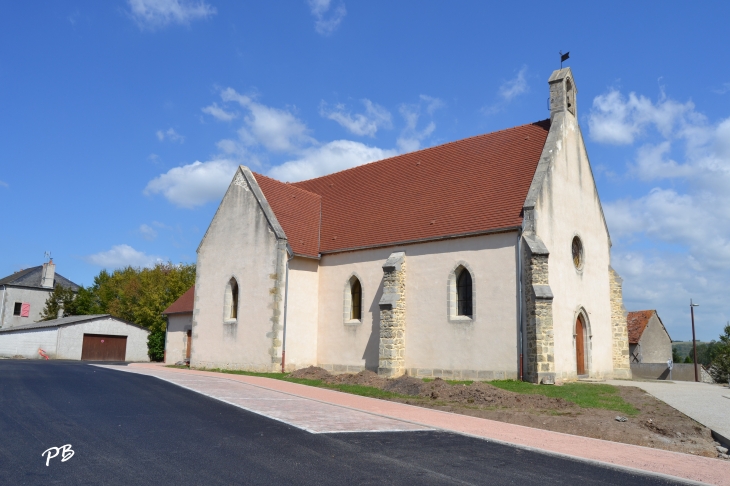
463, 293
355, 299
234, 299
230, 303
352, 301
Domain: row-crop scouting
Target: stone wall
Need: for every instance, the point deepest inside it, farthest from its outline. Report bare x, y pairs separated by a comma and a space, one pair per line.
539, 358
392, 346
621, 365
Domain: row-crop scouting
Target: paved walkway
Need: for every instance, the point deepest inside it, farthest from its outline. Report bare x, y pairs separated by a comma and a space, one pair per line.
707, 404
399, 416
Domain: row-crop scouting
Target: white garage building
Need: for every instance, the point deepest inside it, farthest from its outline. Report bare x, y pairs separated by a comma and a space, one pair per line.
93, 338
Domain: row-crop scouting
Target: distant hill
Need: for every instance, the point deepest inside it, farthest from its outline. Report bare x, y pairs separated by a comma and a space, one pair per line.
683, 347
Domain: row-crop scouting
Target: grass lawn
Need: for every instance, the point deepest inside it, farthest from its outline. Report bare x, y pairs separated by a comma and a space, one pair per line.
586, 395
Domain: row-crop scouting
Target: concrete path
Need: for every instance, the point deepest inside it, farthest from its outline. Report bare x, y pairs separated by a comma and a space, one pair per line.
624, 456
705, 403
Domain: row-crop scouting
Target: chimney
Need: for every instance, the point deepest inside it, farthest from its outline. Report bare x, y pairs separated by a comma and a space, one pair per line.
562, 93
49, 273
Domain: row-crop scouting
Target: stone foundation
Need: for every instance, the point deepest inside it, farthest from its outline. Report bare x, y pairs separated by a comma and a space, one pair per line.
392, 348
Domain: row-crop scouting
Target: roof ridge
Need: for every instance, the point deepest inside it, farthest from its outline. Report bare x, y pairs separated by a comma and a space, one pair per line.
287, 184
420, 150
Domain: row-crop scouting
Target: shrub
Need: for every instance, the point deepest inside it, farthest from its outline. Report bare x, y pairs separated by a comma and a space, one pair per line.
156, 345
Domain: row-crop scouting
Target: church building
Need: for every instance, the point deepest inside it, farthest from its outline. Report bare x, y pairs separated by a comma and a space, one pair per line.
484, 258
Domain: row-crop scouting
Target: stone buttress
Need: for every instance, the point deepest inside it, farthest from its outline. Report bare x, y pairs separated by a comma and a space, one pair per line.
621, 364
392, 347
539, 358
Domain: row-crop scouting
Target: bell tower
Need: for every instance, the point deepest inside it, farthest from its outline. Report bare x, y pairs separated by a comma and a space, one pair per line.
563, 93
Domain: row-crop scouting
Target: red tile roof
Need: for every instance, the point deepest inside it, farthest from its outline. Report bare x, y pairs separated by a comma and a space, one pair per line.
298, 212
184, 304
636, 323
475, 185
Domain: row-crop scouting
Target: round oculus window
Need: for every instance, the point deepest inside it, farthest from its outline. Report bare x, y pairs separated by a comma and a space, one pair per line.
577, 249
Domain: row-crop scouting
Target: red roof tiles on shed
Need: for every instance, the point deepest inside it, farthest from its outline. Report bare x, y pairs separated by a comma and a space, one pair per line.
184, 304
636, 323
298, 212
470, 186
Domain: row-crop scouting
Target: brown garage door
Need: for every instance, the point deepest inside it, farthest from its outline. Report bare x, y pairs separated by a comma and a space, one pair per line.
98, 347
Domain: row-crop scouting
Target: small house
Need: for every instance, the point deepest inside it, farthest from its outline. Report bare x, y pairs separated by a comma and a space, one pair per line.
649, 341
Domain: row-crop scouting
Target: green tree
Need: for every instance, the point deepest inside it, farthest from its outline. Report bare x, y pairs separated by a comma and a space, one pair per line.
688, 360
720, 367
59, 304
675, 355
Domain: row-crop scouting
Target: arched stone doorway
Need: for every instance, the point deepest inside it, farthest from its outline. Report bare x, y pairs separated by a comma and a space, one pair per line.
582, 340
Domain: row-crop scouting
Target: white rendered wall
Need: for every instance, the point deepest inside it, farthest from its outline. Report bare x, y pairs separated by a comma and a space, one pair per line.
567, 206
490, 342
35, 297
71, 338
26, 343
239, 243
656, 346
302, 313
176, 338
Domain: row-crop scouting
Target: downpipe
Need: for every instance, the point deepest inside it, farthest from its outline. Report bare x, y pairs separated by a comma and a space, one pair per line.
286, 299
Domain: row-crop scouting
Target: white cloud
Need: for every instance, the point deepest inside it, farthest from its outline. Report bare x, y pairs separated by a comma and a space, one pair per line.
277, 130
194, 184
411, 137
514, 87
151, 14
619, 120
147, 232
121, 256
219, 113
170, 134
722, 89
326, 20
508, 91
363, 124
672, 242
331, 157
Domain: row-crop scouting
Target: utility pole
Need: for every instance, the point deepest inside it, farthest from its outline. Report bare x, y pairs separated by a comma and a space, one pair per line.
694, 341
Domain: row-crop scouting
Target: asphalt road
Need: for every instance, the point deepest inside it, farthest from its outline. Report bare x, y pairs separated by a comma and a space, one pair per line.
132, 429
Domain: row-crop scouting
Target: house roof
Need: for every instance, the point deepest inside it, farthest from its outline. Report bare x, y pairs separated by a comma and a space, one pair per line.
64, 321
298, 212
184, 304
471, 186
636, 322
31, 277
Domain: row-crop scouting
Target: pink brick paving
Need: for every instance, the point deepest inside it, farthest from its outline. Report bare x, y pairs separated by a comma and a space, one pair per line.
685, 466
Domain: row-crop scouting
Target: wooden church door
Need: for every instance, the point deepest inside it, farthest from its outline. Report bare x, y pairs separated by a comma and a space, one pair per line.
580, 355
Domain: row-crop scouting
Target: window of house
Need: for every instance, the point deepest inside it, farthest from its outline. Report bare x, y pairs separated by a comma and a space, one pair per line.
17, 308
356, 300
577, 250
464, 293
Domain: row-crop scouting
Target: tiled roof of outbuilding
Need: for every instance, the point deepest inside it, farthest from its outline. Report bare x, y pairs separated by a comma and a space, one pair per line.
31, 277
183, 304
470, 186
636, 323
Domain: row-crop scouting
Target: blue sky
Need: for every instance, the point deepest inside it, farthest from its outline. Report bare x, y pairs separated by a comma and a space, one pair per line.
122, 121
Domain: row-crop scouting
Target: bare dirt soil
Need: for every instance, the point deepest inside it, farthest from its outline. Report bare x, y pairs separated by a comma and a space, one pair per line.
656, 425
